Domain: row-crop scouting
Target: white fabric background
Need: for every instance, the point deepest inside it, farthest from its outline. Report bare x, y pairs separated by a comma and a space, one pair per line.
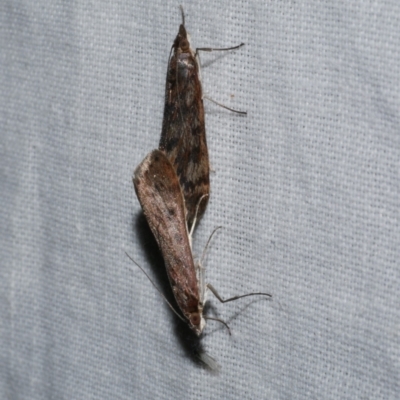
306, 186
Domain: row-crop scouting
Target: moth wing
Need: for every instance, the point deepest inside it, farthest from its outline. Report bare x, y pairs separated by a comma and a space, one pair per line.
160, 195
183, 135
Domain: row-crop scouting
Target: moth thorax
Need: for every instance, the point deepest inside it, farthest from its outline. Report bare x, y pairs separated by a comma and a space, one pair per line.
184, 45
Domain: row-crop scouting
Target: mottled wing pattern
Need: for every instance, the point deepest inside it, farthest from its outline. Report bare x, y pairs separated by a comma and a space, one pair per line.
183, 136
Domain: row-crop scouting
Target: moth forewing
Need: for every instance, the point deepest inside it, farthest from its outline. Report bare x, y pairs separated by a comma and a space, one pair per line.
183, 135
159, 192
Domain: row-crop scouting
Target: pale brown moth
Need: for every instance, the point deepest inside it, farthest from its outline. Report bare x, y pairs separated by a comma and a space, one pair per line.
159, 192
183, 135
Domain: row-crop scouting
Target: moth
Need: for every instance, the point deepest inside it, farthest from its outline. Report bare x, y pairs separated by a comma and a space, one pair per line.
183, 135
159, 192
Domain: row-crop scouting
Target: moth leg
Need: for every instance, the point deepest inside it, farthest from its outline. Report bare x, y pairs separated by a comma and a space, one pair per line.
226, 108
215, 293
218, 49
209, 49
221, 321
195, 218
200, 273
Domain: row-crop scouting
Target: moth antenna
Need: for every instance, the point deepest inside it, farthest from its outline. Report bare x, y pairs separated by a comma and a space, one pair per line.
183, 15
158, 290
219, 320
215, 293
195, 215
208, 242
227, 108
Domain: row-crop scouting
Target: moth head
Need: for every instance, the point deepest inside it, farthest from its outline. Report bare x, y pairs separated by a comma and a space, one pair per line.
196, 322
182, 43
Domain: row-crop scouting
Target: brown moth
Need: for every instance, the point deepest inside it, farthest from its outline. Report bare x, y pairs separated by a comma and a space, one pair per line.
183, 135
159, 192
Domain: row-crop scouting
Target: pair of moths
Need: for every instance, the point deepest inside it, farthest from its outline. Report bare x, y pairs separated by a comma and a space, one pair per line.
173, 185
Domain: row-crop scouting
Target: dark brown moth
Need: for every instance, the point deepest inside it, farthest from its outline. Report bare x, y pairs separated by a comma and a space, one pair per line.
183, 135
159, 192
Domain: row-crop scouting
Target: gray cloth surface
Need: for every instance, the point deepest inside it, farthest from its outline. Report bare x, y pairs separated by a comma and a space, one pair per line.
306, 187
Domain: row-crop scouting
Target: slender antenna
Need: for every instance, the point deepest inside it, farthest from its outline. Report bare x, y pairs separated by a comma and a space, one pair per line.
208, 242
227, 108
215, 293
158, 290
183, 15
219, 320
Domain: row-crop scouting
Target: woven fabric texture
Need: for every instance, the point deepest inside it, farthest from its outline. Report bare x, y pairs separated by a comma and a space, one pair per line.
306, 187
